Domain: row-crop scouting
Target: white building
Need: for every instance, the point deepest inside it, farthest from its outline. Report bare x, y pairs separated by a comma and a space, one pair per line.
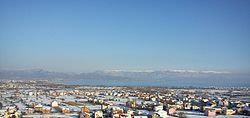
158, 108
54, 104
162, 113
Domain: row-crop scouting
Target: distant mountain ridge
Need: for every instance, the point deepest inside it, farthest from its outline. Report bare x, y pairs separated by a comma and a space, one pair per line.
133, 78
108, 74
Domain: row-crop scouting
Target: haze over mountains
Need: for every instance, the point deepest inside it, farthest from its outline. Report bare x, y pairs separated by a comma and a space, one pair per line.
43, 74
134, 78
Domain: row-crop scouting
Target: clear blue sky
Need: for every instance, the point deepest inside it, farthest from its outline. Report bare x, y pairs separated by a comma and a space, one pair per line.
76, 36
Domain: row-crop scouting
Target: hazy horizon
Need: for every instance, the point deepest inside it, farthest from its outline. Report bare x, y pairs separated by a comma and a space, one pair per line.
87, 36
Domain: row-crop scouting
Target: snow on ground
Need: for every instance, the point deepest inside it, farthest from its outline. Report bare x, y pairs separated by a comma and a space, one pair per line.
73, 115
196, 114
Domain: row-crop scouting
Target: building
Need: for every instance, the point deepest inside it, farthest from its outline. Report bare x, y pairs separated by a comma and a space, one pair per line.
171, 111
98, 114
29, 111
140, 116
158, 108
46, 110
125, 116
160, 113
210, 112
228, 112
54, 104
38, 107
65, 110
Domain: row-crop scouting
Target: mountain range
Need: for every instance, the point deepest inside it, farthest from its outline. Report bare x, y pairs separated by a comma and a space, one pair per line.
126, 77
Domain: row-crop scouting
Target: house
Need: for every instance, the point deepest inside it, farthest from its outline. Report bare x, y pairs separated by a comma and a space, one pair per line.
46, 110
11, 112
140, 116
160, 113
210, 112
85, 109
54, 104
206, 107
171, 111
131, 104
38, 107
157, 108
187, 106
228, 112
155, 115
195, 107
105, 106
153, 99
85, 112
141, 113
84, 115
98, 114
65, 110
117, 113
131, 112
218, 109
29, 111
125, 115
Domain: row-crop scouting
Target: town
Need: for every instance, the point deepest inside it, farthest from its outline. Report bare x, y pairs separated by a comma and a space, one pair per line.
46, 99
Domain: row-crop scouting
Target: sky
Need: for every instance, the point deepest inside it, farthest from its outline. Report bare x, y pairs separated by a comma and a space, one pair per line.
79, 36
